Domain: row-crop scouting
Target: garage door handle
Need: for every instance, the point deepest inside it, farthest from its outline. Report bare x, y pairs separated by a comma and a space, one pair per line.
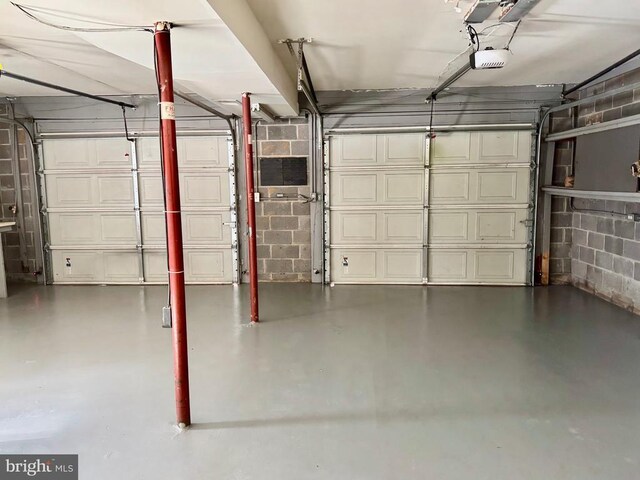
527, 222
229, 224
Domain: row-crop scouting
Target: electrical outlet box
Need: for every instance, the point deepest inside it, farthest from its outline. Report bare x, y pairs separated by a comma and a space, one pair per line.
633, 217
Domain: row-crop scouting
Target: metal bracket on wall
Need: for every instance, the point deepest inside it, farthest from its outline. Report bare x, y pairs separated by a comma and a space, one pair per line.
304, 84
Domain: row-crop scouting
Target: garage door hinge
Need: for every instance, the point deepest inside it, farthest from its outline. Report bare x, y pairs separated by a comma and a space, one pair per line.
528, 222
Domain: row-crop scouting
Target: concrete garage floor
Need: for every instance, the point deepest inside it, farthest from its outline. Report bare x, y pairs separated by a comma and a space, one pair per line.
343, 383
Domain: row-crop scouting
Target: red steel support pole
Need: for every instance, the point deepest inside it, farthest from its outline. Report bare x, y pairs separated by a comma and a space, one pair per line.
251, 205
162, 39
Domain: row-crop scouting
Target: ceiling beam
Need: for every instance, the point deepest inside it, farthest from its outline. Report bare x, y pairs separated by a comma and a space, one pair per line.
243, 24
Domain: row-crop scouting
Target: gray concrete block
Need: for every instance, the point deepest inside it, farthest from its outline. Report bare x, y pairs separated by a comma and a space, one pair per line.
623, 266
282, 132
285, 277
304, 223
279, 266
605, 225
575, 223
611, 282
557, 235
636, 271
560, 250
587, 255
6, 166
557, 265
284, 223
637, 236
579, 237
305, 251
301, 266
624, 229
568, 235
300, 147
277, 237
262, 223
276, 208
275, 148
303, 132
613, 245
579, 269
264, 251
4, 137
594, 275
588, 222
631, 250
596, 240
302, 237
604, 260
301, 208
285, 251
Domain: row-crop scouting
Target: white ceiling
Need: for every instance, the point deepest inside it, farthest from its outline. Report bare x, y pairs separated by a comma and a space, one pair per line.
222, 47
361, 44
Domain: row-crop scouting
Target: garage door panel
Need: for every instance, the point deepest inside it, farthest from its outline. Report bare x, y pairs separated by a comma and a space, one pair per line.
478, 226
198, 228
114, 190
451, 148
377, 150
376, 265
494, 265
479, 186
376, 227
402, 265
404, 149
354, 188
201, 266
355, 265
354, 227
448, 227
402, 227
77, 266
208, 266
480, 148
121, 267
193, 152
448, 265
470, 266
203, 152
86, 153
73, 191
403, 188
92, 228
381, 188
504, 147
356, 150
449, 187
150, 187
90, 190
204, 189
497, 187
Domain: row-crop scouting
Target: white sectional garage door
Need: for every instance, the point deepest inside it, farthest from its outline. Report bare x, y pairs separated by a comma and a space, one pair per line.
105, 217
453, 210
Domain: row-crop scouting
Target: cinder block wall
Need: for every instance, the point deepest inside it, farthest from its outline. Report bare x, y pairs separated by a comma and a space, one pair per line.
605, 247
19, 255
283, 214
